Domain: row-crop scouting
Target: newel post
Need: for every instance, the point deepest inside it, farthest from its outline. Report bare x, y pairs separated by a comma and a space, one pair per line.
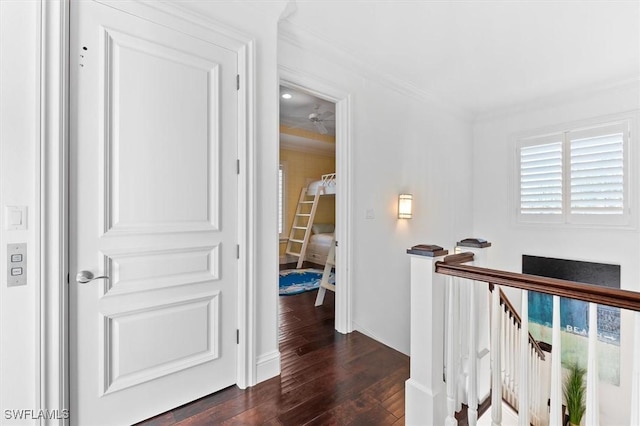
477, 309
425, 398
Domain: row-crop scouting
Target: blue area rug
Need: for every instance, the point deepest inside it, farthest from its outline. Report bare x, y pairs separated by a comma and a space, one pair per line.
295, 281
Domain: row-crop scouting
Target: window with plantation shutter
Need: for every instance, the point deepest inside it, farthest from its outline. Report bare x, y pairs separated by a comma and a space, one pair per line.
541, 178
597, 172
577, 176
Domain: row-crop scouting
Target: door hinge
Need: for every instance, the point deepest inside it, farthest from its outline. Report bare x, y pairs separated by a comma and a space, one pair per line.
237, 81
238, 251
237, 336
68, 279
238, 166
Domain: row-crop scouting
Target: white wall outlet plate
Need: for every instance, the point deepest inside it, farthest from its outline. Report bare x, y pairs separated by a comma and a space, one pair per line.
15, 218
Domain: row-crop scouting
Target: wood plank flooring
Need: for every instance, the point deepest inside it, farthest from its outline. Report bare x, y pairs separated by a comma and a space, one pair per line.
327, 379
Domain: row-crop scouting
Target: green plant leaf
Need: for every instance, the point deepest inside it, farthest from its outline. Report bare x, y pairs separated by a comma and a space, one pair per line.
575, 391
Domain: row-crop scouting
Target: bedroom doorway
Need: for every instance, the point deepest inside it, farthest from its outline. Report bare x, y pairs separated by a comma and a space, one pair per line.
306, 197
329, 109
328, 96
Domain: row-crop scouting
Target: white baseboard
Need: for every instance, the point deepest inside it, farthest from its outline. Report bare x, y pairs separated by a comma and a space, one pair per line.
368, 333
268, 366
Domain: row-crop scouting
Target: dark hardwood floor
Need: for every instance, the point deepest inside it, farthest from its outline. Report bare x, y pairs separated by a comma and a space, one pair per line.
327, 379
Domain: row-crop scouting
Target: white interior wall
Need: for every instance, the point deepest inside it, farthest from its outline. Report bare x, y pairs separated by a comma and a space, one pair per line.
19, 142
399, 144
493, 186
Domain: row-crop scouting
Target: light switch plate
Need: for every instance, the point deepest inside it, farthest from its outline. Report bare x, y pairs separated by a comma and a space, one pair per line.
15, 218
16, 251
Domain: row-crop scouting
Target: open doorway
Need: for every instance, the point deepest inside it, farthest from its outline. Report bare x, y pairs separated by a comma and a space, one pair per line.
308, 84
306, 199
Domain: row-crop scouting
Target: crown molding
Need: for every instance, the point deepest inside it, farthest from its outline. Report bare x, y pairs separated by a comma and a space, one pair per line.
566, 96
304, 39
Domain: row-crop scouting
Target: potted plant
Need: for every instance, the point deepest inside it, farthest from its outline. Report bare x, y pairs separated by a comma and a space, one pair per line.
575, 391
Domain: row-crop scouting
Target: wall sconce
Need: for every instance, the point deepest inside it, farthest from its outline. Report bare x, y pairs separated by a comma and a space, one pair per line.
404, 206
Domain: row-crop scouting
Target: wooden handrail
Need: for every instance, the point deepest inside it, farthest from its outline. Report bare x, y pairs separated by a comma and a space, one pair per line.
575, 290
459, 258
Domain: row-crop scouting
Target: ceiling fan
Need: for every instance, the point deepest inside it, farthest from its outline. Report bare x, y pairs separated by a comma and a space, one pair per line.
318, 118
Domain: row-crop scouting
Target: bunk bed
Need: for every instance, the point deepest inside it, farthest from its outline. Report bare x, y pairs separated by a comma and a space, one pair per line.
306, 242
327, 182
322, 235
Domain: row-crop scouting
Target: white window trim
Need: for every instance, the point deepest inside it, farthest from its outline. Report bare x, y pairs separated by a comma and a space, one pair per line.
284, 235
628, 220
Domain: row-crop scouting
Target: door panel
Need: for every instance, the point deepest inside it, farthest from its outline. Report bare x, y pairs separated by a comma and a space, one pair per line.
153, 206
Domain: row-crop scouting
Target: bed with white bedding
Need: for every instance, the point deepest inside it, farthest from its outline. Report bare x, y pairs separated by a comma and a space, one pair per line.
319, 243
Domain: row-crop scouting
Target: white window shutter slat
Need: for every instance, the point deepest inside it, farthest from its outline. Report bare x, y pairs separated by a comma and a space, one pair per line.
597, 175
541, 179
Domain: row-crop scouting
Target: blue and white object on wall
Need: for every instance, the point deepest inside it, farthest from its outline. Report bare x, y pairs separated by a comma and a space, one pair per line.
574, 314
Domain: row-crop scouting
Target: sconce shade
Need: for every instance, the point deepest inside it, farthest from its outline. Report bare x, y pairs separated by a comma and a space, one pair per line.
405, 202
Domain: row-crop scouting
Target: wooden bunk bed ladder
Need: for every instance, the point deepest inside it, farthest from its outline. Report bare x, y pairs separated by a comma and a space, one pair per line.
328, 267
302, 222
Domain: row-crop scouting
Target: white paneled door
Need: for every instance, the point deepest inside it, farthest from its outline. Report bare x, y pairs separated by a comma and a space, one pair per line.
153, 206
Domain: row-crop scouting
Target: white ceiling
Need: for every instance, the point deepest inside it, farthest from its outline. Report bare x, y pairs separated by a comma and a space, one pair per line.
484, 55
295, 112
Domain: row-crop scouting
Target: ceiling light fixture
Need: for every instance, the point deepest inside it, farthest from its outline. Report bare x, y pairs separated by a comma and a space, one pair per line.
286, 96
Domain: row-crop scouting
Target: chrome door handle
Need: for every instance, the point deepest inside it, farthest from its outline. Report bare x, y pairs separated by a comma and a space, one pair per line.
84, 277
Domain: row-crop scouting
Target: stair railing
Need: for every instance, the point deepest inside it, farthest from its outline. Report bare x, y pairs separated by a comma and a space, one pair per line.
510, 331
433, 390
463, 326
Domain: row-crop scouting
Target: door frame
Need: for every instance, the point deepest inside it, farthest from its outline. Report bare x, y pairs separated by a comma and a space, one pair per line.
52, 307
312, 85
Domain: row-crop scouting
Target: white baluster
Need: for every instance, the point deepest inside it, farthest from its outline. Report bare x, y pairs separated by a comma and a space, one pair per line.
555, 416
523, 396
505, 350
496, 368
507, 353
451, 339
592, 414
509, 382
534, 386
540, 399
514, 356
634, 419
459, 354
531, 382
472, 399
